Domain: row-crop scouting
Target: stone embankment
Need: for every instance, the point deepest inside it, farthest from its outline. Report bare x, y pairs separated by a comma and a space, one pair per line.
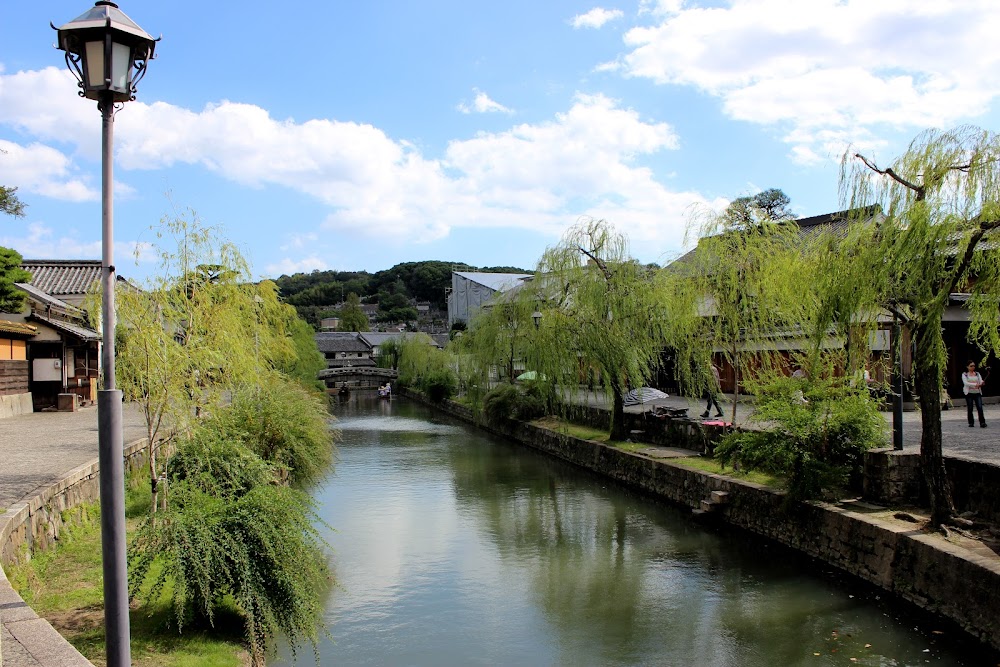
31, 525
959, 584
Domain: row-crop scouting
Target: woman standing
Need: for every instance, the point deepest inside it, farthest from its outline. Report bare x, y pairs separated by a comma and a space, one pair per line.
972, 387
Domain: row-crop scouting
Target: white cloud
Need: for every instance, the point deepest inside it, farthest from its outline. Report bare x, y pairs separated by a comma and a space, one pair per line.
588, 160
299, 241
289, 266
41, 242
595, 18
483, 104
855, 67
42, 170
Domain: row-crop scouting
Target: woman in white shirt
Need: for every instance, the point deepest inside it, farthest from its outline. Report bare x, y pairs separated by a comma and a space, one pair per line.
972, 387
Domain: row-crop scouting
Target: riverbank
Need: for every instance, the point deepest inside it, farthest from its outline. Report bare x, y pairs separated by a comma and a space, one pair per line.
957, 582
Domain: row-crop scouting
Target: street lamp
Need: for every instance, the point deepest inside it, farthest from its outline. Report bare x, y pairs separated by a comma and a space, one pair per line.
537, 318
108, 52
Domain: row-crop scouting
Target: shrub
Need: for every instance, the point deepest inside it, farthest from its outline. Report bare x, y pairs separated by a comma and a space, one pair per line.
500, 403
506, 401
218, 465
284, 424
439, 384
261, 548
813, 431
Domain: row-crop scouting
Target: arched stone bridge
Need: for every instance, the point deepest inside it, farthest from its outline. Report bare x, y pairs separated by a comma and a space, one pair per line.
356, 377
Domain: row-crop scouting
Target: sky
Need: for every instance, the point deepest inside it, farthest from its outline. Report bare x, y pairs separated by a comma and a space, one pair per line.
357, 135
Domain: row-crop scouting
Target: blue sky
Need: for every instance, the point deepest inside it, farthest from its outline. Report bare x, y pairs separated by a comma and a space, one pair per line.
343, 135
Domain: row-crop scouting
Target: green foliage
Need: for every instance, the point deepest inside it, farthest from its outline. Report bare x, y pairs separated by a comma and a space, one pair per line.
507, 401
815, 431
306, 360
740, 286
212, 462
224, 365
427, 368
352, 318
763, 208
601, 312
316, 292
9, 202
439, 384
260, 547
925, 227
11, 298
388, 354
284, 424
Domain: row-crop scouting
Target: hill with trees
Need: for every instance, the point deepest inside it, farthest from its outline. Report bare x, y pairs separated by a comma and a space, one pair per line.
320, 293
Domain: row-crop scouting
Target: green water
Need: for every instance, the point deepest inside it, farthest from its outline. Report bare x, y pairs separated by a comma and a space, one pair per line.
455, 548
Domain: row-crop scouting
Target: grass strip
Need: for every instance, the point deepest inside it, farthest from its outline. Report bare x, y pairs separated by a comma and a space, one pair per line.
64, 585
711, 465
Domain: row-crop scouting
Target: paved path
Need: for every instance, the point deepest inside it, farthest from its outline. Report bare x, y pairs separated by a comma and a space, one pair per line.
978, 444
36, 450
39, 448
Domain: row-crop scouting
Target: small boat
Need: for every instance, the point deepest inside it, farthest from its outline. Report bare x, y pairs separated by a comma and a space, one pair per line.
385, 391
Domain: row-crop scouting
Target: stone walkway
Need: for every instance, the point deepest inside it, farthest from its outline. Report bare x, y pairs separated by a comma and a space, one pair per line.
977, 444
36, 450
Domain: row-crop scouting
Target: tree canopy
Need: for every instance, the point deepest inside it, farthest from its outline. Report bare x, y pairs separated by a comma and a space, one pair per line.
11, 298
939, 206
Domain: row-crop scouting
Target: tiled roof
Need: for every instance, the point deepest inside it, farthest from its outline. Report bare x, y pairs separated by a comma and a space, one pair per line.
336, 341
17, 328
83, 333
63, 276
47, 299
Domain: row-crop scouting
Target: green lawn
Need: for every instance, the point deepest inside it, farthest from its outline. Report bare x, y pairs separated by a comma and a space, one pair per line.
713, 466
65, 586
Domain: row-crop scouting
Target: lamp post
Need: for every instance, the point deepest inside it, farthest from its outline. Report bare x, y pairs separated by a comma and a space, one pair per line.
537, 318
108, 52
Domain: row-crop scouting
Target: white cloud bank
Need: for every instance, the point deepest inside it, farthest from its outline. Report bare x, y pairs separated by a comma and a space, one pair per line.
542, 177
827, 72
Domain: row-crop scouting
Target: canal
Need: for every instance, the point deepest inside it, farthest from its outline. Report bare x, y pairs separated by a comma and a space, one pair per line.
451, 547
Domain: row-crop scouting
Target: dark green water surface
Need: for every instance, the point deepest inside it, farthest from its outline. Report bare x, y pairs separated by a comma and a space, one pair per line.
455, 548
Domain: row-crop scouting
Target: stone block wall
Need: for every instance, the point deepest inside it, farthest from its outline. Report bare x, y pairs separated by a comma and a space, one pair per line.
895, 478
34, 524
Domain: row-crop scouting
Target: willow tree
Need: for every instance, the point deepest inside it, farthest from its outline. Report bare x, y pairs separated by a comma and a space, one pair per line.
193, 332
736, 294
940, 204
501, 334
601, 312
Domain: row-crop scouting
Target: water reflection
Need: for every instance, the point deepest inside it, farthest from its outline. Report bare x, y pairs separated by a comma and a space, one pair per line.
455, 548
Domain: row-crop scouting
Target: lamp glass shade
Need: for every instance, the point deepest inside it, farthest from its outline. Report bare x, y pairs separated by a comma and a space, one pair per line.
93, 63
121, 64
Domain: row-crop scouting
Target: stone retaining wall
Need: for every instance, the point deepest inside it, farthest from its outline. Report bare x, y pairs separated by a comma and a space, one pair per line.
33, 525
895, 478
924, 569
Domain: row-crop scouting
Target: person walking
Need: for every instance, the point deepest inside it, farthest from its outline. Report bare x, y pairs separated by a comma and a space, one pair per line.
712, 393
972, 387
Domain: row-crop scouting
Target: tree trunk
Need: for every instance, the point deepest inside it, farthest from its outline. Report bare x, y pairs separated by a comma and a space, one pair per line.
927, 377
151, 451
736, 383
618, 414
